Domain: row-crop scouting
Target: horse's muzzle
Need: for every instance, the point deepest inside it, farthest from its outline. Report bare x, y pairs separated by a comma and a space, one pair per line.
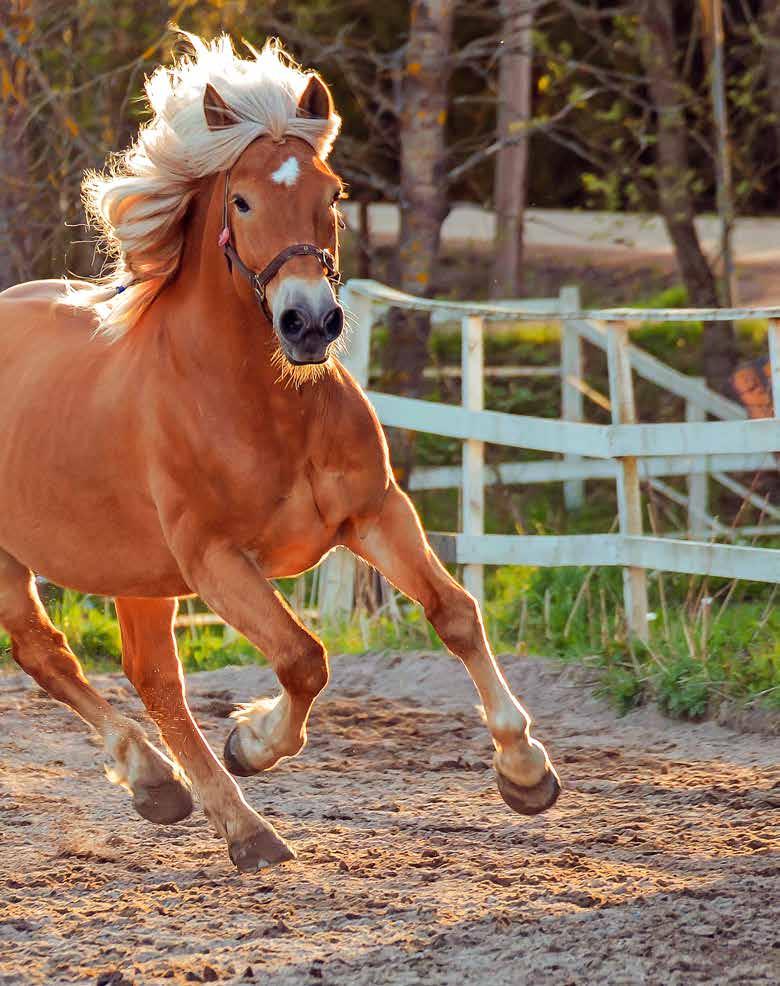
306, 336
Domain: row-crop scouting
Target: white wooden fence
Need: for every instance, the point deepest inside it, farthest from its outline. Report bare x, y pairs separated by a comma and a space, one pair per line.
624, 450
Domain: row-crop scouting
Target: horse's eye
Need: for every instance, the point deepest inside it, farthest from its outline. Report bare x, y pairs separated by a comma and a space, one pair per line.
241, 204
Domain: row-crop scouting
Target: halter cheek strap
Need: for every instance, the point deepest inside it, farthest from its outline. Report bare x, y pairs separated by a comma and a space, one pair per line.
260, 280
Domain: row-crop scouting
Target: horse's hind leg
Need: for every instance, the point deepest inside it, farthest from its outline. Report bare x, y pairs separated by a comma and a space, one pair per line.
43, 652
396, 545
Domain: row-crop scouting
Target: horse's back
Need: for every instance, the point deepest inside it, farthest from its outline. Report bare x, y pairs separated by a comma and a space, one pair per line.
38, 320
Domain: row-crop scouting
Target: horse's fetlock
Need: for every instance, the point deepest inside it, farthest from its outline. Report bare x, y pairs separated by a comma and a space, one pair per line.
307, 673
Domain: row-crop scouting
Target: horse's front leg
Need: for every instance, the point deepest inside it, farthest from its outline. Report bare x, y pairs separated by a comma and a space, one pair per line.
395, 543
152, 664
232, 585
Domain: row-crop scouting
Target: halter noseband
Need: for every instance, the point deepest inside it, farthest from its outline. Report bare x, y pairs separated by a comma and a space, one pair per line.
261, 279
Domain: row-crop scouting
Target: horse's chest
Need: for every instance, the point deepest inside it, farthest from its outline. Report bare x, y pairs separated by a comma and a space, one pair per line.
302, 520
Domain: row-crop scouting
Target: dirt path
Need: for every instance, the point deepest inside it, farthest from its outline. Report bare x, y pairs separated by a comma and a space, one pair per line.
660, 865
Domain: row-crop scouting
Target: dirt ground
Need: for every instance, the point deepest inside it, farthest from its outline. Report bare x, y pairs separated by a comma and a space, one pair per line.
659, 865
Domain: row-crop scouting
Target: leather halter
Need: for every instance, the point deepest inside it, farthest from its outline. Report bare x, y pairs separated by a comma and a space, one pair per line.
261, 279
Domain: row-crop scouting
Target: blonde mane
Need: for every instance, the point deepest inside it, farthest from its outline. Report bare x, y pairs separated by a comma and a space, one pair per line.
139, 202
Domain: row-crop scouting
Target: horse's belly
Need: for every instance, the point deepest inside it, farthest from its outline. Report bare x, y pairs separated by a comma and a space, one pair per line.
103, 556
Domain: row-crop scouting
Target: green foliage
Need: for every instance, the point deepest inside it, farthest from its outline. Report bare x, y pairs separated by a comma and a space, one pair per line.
365, 632
90, 626
621, 687
702, 649
683, 688
208, 648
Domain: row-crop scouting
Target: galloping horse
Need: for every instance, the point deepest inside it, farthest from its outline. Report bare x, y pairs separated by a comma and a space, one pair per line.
182, 426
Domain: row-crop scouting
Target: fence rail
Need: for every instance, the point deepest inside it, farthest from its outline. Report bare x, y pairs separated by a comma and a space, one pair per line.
626, 450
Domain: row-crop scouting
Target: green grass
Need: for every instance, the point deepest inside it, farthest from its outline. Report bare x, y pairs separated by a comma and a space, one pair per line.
710, 642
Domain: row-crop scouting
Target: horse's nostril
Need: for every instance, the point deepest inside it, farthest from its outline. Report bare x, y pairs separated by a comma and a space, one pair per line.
333, 323
292, 322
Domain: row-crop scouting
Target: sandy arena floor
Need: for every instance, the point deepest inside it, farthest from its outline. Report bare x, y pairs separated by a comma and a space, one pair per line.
659, 865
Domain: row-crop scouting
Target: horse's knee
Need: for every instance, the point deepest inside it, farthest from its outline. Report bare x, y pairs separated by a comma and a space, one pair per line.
306, 672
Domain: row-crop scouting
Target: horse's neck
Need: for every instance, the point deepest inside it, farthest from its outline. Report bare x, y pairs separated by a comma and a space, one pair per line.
206, 320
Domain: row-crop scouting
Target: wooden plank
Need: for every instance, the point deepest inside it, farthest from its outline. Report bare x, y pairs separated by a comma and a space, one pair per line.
496, 427
336, 595
662, 554
531, 310
473, 498
621, 393
652, 369
572, 372
590, 392
696, 558
739, 489
198, 620
559, 470
701, 438
704, 520
493, 372
526, 309
567, 437
774, 362
697, 482
747, 533
544, 550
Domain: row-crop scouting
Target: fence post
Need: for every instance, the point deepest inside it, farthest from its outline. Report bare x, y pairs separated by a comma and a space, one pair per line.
697, 483
473, 398
621, 394
336, 593
774, 362
572, 401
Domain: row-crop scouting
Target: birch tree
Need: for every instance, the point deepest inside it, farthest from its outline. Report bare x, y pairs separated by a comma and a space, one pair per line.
513, 121
423, 194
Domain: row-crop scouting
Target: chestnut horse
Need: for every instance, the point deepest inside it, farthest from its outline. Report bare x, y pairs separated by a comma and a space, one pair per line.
184, 427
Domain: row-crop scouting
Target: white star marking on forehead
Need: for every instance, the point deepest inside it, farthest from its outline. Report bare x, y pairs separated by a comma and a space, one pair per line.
287, 173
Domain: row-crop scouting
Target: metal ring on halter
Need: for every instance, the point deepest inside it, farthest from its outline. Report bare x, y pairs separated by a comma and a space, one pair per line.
261, 279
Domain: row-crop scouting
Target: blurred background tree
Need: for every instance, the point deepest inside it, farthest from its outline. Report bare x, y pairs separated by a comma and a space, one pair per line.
575, 104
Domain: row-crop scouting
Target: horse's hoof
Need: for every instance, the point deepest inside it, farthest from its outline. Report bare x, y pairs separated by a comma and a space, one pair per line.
163, 803
264, 848
232, 758
530, 800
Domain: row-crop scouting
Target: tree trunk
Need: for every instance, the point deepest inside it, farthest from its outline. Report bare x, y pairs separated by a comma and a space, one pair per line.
514, 113
424, 200
770, 23
15, 240
657, 52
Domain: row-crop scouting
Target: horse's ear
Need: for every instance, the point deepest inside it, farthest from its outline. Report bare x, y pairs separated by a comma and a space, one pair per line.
217, 112
316, 102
